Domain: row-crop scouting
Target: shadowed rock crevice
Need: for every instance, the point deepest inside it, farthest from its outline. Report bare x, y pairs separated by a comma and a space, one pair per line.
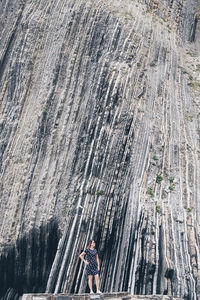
193, 30
25, 267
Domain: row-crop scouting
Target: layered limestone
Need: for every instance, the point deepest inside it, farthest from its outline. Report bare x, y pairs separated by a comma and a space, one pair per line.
99, 138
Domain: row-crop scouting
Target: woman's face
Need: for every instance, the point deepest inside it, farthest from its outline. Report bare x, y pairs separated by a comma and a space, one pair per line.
93, 244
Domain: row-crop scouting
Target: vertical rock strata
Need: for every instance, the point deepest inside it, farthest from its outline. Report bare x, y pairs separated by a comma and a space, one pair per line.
99, 132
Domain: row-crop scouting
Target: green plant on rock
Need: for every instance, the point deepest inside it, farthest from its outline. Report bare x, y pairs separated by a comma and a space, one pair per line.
171, 179
153, 63
157, 208
172, 187
172, 184
100, 192
150, 192
189, 209
195, 84
138, 65
189, 117
184, 71
155, 157
159, 178
193, 54
45, 111
198, 67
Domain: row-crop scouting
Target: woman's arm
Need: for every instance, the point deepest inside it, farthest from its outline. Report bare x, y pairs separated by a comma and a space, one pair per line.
98, 263
82, 258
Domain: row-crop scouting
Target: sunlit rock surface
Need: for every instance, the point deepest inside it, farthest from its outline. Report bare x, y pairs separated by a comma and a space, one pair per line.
107, 296
99, 138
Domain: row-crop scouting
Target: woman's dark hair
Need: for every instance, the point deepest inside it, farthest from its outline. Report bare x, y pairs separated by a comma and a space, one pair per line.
89, 244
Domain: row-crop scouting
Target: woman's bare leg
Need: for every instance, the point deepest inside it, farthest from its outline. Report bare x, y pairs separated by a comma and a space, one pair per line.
97, 281
90, 282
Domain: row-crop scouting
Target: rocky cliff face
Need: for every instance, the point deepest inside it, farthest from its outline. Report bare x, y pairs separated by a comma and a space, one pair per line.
99, 138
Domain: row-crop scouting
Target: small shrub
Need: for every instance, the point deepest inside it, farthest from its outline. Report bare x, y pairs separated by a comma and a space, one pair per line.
153, 63
150, 192
45, 112
189, 209
194, 84
193, 54
100, 192
198, 67
159, 178
189, 117
138, 65
184, 71
172, 187
158, 208
171, 179
155, 157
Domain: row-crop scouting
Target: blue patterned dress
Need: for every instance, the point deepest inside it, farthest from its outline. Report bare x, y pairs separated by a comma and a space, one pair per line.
91, 257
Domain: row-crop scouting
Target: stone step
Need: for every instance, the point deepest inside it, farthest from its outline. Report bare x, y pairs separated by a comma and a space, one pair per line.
106, 296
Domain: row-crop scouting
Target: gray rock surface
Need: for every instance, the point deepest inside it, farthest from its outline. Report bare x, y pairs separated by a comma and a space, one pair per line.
99, 132
107, 296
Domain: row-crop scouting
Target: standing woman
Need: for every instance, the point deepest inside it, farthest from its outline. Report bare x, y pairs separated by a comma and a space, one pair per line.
92, 265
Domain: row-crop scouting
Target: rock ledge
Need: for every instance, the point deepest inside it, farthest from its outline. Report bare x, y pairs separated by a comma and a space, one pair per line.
107, 296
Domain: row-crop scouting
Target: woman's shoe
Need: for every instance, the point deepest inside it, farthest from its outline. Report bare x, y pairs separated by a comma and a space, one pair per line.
91, 293
99, 292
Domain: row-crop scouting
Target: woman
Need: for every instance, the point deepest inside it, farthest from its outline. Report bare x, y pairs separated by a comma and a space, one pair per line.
92, 265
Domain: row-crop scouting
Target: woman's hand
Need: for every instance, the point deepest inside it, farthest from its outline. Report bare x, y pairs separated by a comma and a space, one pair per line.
86, 262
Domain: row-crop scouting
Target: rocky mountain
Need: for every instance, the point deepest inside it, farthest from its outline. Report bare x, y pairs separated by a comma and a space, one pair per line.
100, 138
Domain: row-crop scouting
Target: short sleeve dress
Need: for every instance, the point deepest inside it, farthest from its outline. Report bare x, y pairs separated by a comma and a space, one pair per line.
91, 257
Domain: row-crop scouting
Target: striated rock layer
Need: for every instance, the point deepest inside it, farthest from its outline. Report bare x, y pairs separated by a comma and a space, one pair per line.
99, 138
